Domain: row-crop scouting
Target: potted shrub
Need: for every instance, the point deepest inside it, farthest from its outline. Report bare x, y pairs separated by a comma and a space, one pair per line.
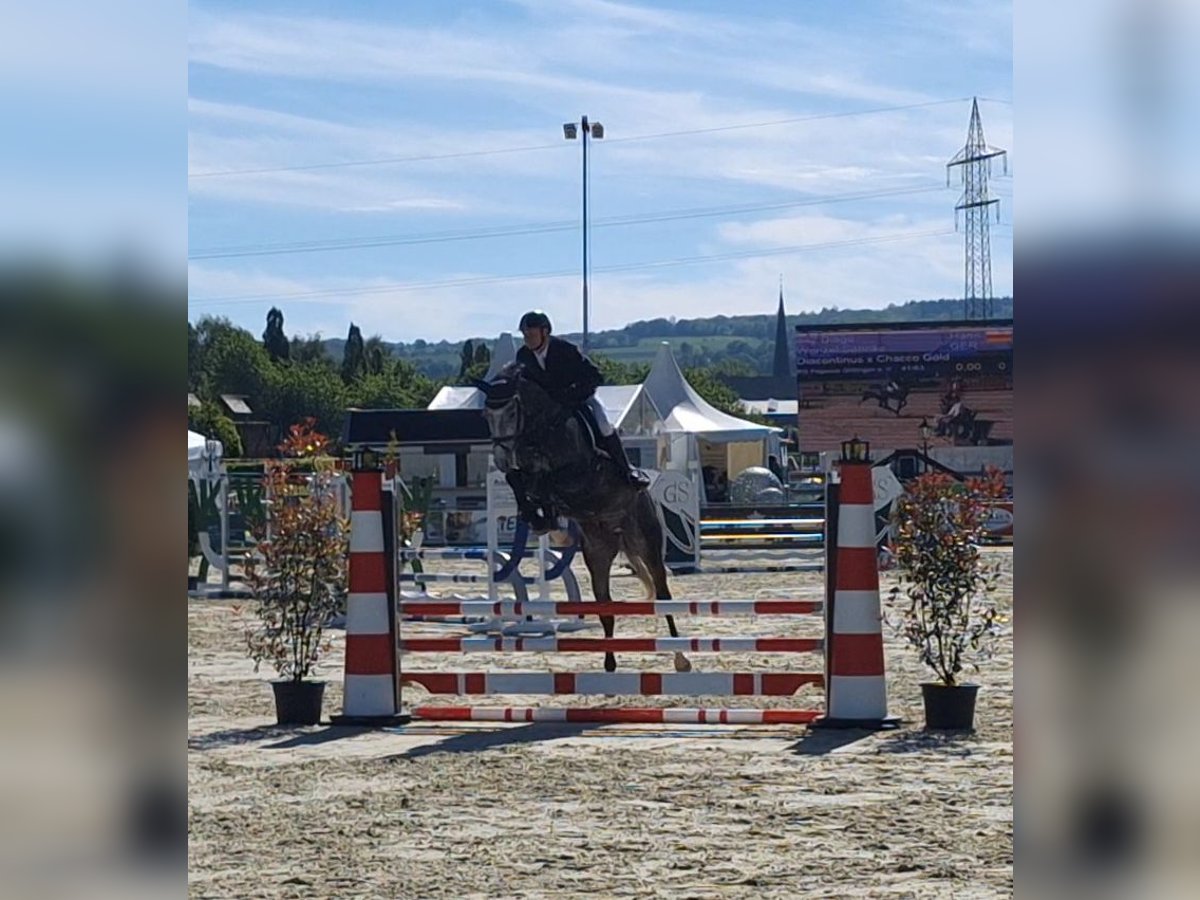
945, 598
297, 574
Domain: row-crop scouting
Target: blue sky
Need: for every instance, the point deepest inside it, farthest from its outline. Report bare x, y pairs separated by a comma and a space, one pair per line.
382, 139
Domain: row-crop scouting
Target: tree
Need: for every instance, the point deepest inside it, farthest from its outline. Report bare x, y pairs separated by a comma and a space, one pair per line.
275, 342
303, 390
354, 359
615, 372
717, 393
481, 359
388, 391
194, 372
734, 367
209, 421
377, 353
310, 349
231, 361
468, 359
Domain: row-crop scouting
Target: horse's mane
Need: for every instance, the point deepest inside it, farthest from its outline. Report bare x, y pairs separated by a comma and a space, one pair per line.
501, 390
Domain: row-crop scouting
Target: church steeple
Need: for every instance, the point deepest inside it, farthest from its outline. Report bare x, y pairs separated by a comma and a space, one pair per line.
782, 366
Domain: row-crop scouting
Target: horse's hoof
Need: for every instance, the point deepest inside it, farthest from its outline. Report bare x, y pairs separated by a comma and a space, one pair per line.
682, 663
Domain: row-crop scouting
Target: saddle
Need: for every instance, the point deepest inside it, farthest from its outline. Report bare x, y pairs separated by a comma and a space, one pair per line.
590, 432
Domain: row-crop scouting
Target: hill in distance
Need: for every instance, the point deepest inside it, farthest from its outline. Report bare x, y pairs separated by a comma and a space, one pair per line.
744, 342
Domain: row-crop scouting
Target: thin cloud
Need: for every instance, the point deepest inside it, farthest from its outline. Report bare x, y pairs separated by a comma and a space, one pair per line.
281, 92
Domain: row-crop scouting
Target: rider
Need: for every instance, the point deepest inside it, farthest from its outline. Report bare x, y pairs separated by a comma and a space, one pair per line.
571, 379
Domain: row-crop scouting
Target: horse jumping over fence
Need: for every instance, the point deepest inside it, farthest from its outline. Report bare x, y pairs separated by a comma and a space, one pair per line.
887, 394
567, 475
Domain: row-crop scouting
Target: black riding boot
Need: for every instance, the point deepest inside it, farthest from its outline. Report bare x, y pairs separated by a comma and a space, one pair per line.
616, 450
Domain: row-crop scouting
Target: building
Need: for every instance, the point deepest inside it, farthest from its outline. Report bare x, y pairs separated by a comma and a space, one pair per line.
780, 385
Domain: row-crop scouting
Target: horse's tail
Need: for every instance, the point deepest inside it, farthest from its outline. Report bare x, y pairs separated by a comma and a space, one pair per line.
642, 544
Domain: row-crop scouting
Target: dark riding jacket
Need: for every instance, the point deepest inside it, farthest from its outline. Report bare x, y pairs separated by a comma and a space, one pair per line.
569, 377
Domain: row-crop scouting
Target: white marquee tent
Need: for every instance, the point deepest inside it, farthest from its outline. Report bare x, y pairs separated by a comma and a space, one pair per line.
683, 410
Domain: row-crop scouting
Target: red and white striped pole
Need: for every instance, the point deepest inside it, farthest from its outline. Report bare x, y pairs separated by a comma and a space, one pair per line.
369, 687
856, 689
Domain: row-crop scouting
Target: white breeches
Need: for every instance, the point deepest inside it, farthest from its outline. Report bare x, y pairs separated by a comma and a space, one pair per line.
601, 419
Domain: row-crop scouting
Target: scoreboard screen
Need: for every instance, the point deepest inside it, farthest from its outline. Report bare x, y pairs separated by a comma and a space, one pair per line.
882, 382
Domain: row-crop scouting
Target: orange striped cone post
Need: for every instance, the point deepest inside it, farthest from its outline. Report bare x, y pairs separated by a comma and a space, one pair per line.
369, 696
856, 689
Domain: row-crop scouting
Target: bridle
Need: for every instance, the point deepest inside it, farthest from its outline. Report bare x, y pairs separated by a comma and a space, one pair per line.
507, 441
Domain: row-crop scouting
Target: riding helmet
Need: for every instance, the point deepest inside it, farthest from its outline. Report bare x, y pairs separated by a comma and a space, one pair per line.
535, 318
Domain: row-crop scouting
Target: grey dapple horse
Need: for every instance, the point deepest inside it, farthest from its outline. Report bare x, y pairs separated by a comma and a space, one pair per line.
565, 475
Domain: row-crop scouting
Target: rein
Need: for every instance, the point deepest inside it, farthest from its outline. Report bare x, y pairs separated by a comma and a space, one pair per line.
522, 420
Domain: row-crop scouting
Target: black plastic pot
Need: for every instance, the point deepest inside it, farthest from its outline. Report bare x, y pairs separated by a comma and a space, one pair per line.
949, 708
298, 702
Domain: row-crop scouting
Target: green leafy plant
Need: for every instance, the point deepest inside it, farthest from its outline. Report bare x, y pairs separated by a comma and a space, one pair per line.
413, 495
203, 516
298, 574
945, 599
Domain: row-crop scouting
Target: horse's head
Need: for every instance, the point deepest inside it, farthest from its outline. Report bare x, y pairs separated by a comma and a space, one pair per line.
504, 411
517, 409
501, 405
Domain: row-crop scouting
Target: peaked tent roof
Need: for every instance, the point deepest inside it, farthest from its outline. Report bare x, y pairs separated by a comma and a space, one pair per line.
685, 410
618, 401
504, 351
457, 397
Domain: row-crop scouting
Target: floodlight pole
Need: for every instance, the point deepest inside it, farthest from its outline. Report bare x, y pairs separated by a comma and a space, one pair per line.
585, 129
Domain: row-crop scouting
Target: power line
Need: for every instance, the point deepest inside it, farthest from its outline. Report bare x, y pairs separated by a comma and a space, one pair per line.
535, 276
791, 121
236, 251
372, 162
226, 173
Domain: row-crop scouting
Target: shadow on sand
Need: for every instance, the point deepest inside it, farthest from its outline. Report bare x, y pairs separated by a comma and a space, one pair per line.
482, 740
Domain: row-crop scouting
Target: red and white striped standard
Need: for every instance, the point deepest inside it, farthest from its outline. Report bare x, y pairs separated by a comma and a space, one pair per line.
485, 644
370, 685
617, 684
617, 716
857, 690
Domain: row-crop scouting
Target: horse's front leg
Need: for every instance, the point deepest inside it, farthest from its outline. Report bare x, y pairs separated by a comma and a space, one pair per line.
598, 555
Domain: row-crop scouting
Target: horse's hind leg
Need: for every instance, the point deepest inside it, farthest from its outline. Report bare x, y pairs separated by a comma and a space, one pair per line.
659, 573
644, 549
599, 551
